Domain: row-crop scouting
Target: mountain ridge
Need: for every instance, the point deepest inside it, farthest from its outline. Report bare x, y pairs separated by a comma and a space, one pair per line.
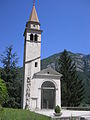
81, 60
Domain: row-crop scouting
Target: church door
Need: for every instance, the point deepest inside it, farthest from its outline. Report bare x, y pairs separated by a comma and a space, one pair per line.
47, 95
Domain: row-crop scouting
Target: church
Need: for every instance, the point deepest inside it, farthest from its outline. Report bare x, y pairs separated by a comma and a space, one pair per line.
41, 88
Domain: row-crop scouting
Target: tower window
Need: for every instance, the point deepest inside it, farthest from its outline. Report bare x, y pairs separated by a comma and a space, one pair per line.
34, 25
36, 64
36, 37
31, 37
47, 72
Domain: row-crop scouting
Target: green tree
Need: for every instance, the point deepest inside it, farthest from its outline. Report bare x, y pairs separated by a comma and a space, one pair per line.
71, 86
3, 92
9, 74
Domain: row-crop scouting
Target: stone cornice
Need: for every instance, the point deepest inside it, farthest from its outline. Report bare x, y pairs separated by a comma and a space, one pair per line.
33, 41
47, 76
33, 30
32, 60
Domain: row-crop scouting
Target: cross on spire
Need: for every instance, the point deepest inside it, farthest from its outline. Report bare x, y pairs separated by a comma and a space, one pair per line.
34, 2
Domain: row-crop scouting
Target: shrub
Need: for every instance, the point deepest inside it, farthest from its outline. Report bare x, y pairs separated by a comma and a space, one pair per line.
3, 92
57, 109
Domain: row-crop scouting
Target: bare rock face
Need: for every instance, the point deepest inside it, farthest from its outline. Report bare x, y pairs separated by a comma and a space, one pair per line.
82, 61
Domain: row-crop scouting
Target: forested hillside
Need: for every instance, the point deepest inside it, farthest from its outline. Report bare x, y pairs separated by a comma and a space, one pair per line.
82, 62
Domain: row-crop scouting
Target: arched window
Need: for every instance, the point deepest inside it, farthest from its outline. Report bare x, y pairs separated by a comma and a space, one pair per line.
31, 37
36, 37
48, 84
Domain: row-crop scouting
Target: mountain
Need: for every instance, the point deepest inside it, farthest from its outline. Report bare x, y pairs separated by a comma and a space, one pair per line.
82, 62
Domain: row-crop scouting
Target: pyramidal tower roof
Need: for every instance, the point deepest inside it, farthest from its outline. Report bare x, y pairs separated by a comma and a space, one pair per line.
33, 17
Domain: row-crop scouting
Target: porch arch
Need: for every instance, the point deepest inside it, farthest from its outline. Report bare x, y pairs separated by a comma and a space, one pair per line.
48, 95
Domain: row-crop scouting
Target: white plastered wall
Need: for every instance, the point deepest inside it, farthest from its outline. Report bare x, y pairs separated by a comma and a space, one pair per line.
32, 55
36, 92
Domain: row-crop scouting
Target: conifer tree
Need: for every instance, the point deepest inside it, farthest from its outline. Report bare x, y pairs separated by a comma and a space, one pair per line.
72, 87
9, 75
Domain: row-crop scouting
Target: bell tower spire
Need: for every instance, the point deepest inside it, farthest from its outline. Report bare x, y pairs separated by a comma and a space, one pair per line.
33, 16
32, 54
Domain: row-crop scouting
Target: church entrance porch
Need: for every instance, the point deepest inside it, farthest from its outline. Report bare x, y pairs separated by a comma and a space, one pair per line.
48, 95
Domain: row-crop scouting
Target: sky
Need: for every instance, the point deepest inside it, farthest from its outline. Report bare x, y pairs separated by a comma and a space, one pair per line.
65, 25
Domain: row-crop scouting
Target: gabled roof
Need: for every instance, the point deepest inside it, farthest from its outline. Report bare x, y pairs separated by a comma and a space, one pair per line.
48, 73
33, 17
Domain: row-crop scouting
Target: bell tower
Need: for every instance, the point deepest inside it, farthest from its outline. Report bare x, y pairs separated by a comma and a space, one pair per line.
32, 53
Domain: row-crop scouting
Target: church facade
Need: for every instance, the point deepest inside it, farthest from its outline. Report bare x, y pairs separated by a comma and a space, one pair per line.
41, 88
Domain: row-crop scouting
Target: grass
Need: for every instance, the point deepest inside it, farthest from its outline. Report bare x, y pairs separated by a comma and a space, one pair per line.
18, 114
